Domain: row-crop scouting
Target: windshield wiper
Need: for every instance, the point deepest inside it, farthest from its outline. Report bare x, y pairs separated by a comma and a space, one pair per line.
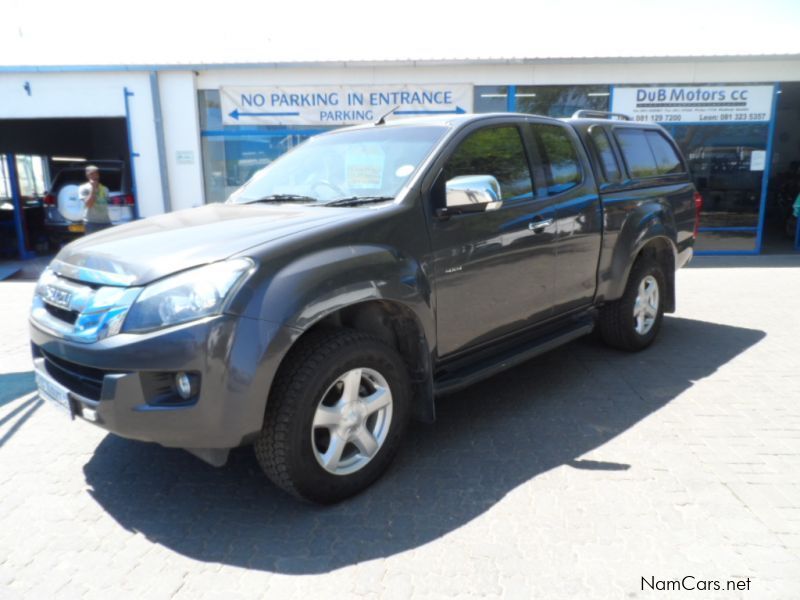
282, 198
356, 200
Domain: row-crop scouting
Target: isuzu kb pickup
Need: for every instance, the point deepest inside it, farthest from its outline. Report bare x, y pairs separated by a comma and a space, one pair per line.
352, 281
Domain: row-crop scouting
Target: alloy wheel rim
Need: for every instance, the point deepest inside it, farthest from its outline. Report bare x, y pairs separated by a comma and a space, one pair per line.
645, 307
352, 421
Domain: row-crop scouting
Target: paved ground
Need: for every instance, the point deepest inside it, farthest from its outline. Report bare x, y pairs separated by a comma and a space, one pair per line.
573, 476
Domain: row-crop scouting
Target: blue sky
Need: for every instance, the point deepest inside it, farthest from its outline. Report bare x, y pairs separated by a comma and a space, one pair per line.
55, 32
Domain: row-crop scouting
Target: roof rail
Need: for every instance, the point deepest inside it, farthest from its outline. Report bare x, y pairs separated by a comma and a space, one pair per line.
598, 114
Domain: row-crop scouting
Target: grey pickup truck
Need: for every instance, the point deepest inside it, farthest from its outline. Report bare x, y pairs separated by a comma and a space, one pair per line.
352, 281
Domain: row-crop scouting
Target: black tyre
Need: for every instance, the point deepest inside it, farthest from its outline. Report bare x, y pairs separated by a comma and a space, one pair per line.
632, 322
336, 415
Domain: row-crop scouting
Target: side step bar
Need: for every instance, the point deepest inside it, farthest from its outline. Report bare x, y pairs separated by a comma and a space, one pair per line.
465, 377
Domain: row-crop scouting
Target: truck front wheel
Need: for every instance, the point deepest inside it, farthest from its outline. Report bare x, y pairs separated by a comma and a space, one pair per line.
336, 415
632, 322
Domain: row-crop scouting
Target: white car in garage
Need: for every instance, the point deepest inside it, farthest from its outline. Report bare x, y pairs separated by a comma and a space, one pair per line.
63, 218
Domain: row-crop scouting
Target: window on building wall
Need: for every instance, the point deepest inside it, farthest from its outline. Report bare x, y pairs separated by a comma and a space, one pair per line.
719, 157
31, 176
559, 100
5, 183
490, 98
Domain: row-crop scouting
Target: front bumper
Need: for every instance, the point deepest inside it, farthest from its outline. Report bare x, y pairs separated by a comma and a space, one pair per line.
122, 383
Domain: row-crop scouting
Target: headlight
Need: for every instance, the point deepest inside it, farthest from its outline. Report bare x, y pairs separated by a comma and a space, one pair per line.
187, 296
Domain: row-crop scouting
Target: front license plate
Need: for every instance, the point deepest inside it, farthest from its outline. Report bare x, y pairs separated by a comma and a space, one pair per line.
77, 227
53, 392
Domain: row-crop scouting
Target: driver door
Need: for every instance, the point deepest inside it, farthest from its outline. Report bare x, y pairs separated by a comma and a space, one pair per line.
494, 269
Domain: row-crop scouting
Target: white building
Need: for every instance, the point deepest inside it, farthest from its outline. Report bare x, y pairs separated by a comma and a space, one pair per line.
191, 133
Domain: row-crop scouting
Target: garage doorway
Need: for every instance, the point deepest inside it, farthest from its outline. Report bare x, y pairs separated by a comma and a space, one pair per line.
62, 148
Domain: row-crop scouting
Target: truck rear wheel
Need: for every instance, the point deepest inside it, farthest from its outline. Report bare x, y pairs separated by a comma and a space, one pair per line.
632, 322
335, 417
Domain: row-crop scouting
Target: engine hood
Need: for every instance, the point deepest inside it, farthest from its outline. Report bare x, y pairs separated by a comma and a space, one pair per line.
146, 250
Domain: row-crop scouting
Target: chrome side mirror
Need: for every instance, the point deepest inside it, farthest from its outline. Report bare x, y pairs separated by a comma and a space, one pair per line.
472, 193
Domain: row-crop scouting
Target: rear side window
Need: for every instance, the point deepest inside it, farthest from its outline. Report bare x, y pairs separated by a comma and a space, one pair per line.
496, 151
667, 160
607, 159
637, 153
561, 164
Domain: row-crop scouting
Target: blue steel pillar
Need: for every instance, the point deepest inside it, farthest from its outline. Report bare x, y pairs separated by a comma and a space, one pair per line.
511, 99
16, 199
134, 190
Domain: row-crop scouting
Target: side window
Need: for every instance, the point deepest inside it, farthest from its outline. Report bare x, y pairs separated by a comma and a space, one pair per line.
561, 164
496, 151
606, 153
637, 153
667, 160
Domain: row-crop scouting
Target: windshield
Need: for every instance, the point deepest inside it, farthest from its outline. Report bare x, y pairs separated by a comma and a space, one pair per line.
363, 163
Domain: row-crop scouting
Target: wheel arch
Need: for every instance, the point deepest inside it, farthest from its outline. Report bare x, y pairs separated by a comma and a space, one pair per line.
651, 236
365, 287
398, 326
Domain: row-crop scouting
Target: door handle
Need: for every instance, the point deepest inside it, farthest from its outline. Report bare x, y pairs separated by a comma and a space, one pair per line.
540, 225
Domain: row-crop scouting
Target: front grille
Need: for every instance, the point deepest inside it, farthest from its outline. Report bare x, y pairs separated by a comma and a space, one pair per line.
68, 316
85, 381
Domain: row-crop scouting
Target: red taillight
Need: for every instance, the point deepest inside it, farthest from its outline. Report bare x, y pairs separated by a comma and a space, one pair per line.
698, 206
49, 200
121, 199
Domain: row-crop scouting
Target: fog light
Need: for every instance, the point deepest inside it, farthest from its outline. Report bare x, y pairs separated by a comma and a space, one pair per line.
184, 385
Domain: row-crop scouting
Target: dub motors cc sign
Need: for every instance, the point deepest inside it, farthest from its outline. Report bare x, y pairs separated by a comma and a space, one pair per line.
695, 104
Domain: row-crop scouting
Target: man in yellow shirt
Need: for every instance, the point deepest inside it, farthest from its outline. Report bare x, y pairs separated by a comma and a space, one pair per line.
94, 196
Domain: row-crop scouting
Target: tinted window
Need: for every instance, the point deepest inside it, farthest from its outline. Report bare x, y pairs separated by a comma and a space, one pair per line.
667, 159
496, 151
605, 152
637, 153
560, 158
